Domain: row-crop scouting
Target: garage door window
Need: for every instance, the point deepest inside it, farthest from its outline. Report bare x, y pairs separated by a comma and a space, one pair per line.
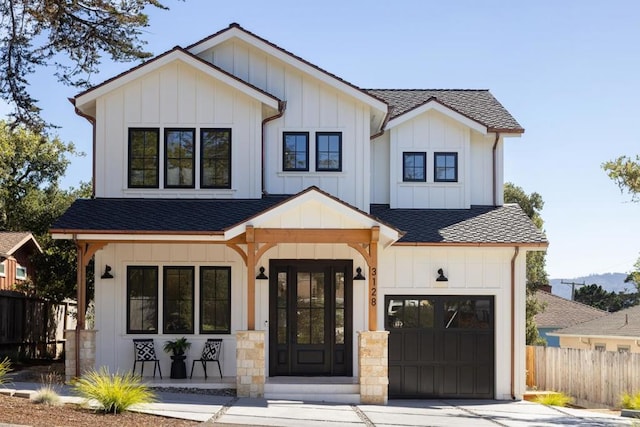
467, 314
410, 313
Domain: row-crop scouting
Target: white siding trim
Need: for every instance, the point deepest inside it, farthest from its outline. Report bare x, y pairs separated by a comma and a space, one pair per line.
435, 105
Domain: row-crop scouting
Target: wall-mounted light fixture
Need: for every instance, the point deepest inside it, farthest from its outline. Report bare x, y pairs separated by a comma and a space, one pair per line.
359, 275
261, 275
107, 273
441, 276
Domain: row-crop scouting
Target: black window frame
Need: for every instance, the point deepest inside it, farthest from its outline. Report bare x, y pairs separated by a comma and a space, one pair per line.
165, 307
167, 131
143, 268
284, 152
227, 158
202, 300
328, 169
424, 166
435, 166
130, 156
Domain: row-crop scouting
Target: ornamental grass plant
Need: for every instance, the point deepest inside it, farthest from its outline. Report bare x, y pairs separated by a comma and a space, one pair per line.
554, 399
115, 393
630, 401
5, 368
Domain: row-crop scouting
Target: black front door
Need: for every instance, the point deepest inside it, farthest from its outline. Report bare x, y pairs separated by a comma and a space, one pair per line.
310, 317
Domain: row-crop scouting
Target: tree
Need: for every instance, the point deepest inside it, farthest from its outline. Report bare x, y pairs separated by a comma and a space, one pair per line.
596, 296
626, 173
634, 276
72, 37
537, 276
31, 200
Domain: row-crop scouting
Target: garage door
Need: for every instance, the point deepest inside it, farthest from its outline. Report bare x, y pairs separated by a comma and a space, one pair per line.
440, 346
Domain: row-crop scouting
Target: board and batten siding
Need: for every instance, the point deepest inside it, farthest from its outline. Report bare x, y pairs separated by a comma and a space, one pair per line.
481, 182
177, 96
312, 106
470, 271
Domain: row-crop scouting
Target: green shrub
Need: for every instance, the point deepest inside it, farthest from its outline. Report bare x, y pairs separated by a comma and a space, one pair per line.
5, 368
630, 401
554, 399
114, 392
46, 395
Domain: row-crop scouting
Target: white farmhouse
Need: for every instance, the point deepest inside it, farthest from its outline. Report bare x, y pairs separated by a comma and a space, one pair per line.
331, 236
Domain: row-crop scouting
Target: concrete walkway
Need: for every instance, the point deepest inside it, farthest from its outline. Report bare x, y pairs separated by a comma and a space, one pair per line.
232, 411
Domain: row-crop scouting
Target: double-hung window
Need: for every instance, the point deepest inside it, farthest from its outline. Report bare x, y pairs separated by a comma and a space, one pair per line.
329, 151
142, 300
143, 158
2, 268
215, 300
215, 153
445, 167
179, 149
414, 167
178, 300
295, 151
21, 272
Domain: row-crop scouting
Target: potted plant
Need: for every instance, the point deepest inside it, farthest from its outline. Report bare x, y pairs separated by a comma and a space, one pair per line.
177, 347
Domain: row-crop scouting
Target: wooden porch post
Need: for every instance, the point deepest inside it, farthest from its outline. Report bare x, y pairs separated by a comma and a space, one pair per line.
251, 279
373, 278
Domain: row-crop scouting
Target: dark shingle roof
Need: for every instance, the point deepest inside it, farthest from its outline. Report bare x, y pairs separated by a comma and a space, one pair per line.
480, 224
478, 105
623, 323
561, 313
166, 215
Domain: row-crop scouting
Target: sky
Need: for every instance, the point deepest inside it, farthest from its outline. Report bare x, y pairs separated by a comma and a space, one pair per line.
568, 71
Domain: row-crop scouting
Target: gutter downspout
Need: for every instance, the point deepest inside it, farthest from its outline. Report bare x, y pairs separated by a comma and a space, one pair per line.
513, 318
383, 125
495, 173
91, 120
282, 105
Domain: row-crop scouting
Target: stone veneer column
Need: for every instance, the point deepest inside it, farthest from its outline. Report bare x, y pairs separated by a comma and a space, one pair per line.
374, 366
250, 360
87, 352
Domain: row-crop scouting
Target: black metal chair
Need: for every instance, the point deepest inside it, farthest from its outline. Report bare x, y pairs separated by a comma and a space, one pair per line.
210, 353
146, 352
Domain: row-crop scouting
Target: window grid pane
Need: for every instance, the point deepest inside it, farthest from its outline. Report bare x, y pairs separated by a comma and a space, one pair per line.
413, 167
446, 167
216, 158
142, 300
180, 159
295, 151
143, 158
178, 300
215, 300
329, 151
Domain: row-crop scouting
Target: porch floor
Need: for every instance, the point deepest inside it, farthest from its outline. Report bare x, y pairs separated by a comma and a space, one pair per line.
312, 380
211, 383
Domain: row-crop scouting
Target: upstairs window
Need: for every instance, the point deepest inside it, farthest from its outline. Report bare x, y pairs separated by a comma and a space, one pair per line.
180, 158
142, 300
295, 151
215, 149
329, 151
21, 272
414, 167
445, 167
143, 158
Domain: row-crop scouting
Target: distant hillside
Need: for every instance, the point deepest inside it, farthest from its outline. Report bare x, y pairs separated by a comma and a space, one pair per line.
609, 281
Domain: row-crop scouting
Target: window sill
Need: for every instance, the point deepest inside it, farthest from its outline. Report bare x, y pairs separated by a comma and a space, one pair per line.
311, 173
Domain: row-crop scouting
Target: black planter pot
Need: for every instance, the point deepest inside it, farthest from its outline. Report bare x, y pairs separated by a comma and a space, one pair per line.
178, 367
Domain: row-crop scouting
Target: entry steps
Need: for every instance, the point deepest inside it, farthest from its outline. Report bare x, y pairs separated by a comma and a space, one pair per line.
313, 389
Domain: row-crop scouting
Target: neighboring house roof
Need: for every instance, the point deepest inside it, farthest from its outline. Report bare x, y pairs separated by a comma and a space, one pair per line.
506, 224
478, 105
560, 312
11, 241
623, 323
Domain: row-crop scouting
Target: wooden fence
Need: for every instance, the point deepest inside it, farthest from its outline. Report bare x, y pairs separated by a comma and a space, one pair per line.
31, 328
589, 376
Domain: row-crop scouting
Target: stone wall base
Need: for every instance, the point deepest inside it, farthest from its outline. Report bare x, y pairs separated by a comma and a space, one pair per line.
87, 352
250, 359
374, 367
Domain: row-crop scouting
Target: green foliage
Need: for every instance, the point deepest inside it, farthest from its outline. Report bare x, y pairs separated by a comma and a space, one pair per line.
5, 368
634, 276
46, 395
114, 392
177, 346
71, 36
630, 401
626, 173
537, 276
554, 399
596, 296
